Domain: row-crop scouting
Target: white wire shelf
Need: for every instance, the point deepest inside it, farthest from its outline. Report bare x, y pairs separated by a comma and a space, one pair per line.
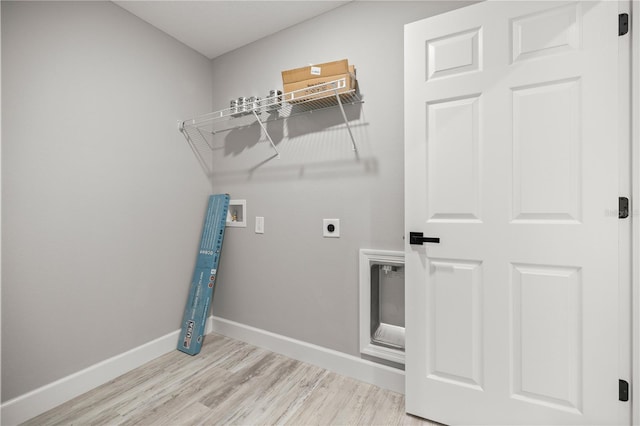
277, 107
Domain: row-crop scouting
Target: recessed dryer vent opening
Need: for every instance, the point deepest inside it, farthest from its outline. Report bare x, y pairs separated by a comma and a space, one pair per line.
387, 305
382, 304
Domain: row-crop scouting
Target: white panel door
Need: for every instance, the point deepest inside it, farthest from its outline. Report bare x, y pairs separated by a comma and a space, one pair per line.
511, 160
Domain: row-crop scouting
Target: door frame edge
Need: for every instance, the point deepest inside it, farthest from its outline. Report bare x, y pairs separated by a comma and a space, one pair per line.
635, 225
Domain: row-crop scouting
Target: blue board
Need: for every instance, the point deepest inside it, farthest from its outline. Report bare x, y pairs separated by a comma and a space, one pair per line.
204, 276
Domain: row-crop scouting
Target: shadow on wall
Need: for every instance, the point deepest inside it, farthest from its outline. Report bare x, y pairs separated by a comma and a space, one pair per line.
315, 144
325, 153
318, 121
241, 138
201, 147
334, 169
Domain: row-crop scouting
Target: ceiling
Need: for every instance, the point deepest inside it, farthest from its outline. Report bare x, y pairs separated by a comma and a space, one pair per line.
214, 27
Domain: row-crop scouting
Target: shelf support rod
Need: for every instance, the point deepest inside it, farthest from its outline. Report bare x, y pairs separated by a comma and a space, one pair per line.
204, 139
264, 129
344, 116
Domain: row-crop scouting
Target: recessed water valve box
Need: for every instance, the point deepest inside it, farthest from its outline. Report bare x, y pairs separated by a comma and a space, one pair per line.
237, 213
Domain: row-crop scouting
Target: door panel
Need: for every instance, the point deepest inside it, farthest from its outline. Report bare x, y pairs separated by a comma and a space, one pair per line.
511, 159
546, 120
548, 32
453, 54
455, 336
546, 351
453, 192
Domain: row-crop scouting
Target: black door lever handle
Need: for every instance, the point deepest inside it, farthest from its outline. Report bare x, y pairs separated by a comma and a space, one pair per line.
418, 238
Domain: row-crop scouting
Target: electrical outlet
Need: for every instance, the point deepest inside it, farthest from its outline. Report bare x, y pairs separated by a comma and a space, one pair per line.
259, 225
331, 228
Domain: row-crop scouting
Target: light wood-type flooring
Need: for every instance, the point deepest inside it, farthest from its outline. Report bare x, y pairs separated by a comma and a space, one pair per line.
231, 382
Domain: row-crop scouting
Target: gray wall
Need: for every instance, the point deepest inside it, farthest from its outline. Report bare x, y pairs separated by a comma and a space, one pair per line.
102, 198
290, 280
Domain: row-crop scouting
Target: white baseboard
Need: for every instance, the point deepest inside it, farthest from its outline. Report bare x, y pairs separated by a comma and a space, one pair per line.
338, 362
38, 401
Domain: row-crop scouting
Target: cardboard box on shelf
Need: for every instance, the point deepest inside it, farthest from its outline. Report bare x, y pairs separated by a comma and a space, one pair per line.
315, 71
319, 87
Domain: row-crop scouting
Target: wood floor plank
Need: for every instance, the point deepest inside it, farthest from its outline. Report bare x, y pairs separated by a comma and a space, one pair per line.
159, 405
272, 394
190, 415
291, 394
231, 382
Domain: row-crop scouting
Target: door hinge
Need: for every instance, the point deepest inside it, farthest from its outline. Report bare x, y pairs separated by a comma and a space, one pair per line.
623, 24
623, 207
623, 390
